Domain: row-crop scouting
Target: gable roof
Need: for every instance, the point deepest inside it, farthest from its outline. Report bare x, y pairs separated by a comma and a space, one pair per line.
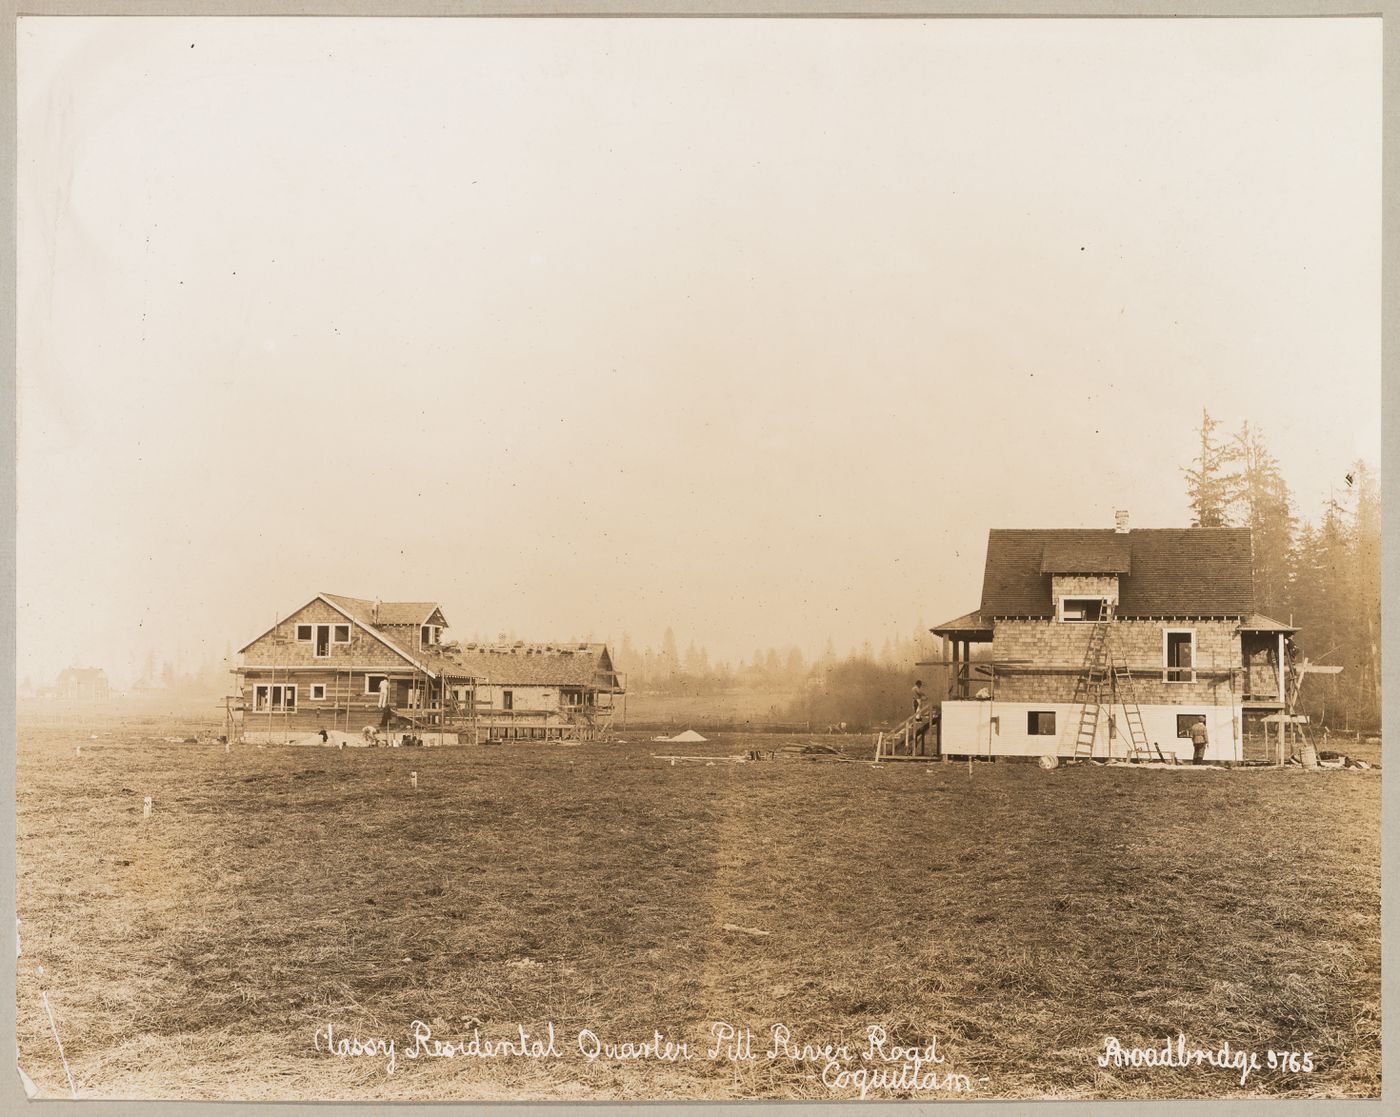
361, 612
570, 664
1166, 572
390, 612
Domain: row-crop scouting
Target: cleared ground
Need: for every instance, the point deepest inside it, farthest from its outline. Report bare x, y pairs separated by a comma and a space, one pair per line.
1019, 916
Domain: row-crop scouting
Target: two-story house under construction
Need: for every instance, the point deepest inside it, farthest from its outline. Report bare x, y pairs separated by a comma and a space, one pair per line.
344, 664
1111, 644
382, 670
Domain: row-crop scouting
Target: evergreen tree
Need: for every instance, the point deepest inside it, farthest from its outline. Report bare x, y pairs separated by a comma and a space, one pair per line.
796, 665
626, 656
670, 660
697, 661
1211, 486
1265, 506
1323, 577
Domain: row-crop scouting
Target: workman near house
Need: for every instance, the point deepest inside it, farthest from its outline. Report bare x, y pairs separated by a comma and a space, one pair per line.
1198, 741
921, 718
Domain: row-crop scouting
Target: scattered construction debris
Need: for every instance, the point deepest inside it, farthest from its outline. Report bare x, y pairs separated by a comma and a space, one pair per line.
1331, 760
812, 750
703, 759
1161, 765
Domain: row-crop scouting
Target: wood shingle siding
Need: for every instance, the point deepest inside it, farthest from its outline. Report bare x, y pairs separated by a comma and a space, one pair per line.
1052, 655
280, 646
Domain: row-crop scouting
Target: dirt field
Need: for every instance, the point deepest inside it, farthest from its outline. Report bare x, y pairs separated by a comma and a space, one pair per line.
1017, 916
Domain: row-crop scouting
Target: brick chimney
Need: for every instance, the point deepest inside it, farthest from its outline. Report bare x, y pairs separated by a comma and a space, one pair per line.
1120, 521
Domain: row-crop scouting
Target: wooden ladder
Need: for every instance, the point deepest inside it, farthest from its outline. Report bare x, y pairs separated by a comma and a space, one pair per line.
1138, 747
1088, 691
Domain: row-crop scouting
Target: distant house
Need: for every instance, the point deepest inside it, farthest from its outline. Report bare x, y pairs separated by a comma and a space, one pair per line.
344, 664
551, 691
1113, 643
82, 684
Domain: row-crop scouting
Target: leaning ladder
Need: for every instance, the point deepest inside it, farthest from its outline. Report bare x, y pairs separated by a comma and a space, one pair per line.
1138, 748
1088, 690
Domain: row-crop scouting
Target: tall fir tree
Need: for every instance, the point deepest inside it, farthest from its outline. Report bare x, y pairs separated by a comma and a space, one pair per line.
1212, 486
1264, 505
1323, 576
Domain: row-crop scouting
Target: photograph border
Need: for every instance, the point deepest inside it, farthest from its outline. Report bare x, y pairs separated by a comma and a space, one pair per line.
12, 1097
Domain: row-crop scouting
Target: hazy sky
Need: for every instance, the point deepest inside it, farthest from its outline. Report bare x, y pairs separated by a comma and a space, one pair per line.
750, 328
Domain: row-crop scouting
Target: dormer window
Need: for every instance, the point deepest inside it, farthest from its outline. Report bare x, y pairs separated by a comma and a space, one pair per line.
1084, 610
428, 635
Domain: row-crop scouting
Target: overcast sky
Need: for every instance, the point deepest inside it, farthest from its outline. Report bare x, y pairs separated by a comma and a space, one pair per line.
749, 328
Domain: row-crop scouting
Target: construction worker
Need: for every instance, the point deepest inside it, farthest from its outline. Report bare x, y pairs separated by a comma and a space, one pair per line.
384, 703
1198, 741
920, 717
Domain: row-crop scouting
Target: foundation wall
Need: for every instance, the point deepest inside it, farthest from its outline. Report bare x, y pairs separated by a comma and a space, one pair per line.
1003, 729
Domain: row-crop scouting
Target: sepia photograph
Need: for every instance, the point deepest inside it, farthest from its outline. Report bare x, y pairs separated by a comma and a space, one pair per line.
670, 559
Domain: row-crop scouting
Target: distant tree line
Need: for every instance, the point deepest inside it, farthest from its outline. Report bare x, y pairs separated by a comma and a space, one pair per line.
1322, 575
210, 677
866, 687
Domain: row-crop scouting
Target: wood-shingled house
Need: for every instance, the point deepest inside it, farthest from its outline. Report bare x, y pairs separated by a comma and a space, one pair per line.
1112, 643
343, 664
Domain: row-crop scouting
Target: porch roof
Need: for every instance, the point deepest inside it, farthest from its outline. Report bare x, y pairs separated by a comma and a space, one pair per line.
968, 625
1260, 623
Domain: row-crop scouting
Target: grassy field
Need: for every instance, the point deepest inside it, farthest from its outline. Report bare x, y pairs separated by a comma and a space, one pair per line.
1018, 916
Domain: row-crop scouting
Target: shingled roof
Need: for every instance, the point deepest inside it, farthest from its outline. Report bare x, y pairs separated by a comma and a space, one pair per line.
1162, 572
968, 623
569, 664
390, 612
1087, 556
